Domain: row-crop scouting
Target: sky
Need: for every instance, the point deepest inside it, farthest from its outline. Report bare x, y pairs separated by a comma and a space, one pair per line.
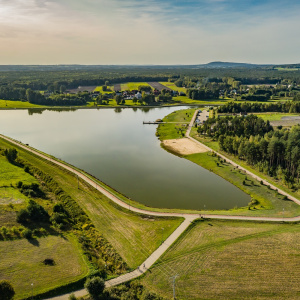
146, 32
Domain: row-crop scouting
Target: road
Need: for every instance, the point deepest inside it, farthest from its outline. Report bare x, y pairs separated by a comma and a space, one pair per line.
188, 218
204, 113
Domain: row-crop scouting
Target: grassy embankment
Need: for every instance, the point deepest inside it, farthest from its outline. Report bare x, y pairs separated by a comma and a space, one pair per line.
270, 203
231, 260
133, 236
21, 259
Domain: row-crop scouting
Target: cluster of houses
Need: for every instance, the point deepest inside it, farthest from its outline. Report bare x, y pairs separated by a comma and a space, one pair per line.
129, 95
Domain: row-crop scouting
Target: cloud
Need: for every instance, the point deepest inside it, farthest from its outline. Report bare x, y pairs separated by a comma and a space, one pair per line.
147, 32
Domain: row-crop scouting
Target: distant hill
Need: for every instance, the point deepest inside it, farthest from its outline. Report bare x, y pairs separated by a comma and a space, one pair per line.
221, 64
210, 65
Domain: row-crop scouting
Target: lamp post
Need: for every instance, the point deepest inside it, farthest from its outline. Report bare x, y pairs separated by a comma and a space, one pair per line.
31, 290
162, 235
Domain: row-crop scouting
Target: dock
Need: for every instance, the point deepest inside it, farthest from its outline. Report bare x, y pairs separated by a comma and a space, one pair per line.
153, 122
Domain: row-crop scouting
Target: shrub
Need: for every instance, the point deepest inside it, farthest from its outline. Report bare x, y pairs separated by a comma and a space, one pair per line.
7, 291
49, 262
95, 286
27, 233
22, 216
37, 212
72, 297
58, 218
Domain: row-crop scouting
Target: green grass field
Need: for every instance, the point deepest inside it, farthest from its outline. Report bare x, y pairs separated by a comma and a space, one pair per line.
17, 104
100, 89
21, 264
231, 260
133, 85
274, 116
133, 236
173, 130
173, 87
10, 175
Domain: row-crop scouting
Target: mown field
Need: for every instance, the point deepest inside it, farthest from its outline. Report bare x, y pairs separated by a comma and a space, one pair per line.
231, 260
22, 264
132, 85
133, 236
274, 116
172, 86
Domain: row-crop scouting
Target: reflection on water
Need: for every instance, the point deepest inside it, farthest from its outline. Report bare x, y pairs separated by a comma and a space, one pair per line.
115, 146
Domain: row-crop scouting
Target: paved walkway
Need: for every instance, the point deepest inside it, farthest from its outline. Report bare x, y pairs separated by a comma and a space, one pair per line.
173, 237
236, 165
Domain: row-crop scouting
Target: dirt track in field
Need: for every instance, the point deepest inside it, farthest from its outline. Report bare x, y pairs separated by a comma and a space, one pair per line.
117, 87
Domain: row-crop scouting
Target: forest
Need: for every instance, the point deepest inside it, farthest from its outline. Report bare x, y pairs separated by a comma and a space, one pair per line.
285, 107
48, 85
273, 152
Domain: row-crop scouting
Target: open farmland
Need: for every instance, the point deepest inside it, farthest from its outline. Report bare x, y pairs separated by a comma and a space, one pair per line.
117, 87
158, 86
135, 85
231, 260
173, 87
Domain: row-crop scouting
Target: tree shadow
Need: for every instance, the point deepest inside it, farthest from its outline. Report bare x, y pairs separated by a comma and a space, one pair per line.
34, 242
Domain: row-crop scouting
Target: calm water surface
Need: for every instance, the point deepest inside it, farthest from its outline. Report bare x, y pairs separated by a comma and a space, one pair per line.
117, 148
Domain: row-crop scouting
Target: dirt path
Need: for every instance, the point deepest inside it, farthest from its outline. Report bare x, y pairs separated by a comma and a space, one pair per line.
173, 237
204, 113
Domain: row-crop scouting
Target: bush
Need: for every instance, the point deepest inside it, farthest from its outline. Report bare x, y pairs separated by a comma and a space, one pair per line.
7, 291
27, 233
95, 286
37, 212
58, 218
72, 297
23, 216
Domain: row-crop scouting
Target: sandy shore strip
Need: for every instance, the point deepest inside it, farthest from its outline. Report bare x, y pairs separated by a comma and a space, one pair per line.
184, 146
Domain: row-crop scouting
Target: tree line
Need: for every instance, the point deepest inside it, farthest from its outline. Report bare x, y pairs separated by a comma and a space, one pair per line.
273, 152
285, 107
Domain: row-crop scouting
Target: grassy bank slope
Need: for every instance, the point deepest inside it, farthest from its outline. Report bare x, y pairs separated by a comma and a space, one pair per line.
270, 203
231, 260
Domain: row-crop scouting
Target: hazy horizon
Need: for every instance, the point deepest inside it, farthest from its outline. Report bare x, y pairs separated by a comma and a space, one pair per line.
152, 32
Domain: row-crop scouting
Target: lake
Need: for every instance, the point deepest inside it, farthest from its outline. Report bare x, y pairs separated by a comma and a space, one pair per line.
115, 146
